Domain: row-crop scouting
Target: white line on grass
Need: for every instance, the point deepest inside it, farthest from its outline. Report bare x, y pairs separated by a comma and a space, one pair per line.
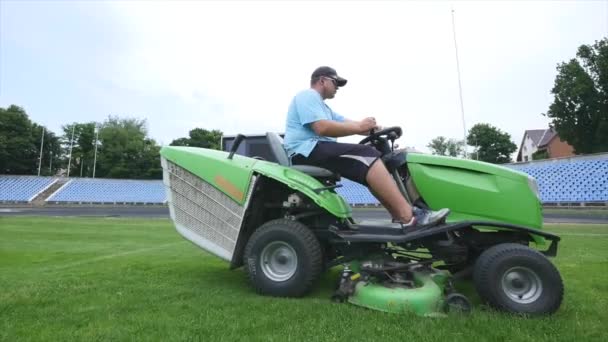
583, 234
109, 256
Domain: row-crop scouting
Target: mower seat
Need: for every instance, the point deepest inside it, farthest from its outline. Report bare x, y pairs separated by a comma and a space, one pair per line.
276, 147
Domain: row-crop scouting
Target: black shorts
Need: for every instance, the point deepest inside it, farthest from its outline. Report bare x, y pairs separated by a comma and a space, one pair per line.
351, 161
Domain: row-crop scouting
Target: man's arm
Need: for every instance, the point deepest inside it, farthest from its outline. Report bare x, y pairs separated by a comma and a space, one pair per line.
335, 129
365, 133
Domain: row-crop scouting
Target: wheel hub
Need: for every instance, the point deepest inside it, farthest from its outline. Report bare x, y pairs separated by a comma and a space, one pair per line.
279, 261
522, 285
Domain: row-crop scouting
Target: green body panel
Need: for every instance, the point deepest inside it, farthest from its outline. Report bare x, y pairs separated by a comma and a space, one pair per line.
472, 190
476, 190
304, 183
426, 299
215, 168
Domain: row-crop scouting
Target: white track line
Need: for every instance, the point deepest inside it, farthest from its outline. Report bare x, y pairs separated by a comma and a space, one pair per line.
109, 256
582, 234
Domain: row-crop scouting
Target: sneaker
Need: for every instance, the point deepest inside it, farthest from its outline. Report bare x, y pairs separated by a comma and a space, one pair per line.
425, 217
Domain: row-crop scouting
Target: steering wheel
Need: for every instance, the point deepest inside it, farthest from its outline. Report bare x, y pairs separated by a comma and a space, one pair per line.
391, 133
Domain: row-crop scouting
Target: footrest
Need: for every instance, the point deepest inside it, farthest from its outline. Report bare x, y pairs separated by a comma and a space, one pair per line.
383, 233
365, 233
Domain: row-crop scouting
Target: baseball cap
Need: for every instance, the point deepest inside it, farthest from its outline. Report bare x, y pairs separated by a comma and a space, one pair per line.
328, 72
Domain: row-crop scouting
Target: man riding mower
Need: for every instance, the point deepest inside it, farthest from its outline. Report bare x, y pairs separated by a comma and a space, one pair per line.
286, 224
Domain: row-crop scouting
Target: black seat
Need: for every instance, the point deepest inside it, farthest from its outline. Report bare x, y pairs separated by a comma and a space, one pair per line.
276, 147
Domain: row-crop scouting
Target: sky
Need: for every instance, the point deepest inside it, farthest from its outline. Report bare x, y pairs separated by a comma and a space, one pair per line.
235, 66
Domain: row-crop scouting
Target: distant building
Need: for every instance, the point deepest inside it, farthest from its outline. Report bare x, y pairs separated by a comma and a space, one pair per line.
538, 140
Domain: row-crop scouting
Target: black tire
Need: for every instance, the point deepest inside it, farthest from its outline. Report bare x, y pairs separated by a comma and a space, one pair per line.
289, 237
517, 279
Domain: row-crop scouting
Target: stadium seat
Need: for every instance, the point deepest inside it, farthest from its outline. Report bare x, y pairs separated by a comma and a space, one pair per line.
23, 188
110, 191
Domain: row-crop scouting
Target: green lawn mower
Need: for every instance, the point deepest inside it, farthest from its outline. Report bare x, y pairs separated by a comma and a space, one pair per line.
287, 224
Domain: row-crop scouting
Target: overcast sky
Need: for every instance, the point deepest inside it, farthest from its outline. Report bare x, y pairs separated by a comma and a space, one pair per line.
234, 66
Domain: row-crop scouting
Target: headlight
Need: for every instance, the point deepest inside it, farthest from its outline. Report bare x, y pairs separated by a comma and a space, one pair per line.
533, 186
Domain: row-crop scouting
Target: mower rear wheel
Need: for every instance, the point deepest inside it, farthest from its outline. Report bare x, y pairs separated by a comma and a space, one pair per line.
515, 278
283, 258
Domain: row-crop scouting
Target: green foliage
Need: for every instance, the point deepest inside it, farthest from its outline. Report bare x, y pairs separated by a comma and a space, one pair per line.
444, 147
491, 144
83, 148
125, 151
540, 154
579, 111
200, 137
20, 144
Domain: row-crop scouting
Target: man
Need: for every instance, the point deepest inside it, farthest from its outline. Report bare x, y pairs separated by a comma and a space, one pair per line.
310, 138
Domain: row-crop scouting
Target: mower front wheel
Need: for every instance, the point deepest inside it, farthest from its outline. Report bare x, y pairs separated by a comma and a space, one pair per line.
283, 258
517, 279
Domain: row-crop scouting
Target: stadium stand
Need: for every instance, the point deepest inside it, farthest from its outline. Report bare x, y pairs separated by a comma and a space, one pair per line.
569, 180
85, 190
355, 193
581, 179
23, 189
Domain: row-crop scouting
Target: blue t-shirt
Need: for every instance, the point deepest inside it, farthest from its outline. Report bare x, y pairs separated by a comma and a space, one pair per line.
305, 108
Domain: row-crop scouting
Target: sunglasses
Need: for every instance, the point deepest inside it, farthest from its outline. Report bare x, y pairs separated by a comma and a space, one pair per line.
334, 81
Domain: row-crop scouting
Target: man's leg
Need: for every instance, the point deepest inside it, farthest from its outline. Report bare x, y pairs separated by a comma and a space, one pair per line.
361, 164
383, 186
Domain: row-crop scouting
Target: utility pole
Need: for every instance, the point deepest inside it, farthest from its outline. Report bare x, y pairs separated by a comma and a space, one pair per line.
41, 146
464, 126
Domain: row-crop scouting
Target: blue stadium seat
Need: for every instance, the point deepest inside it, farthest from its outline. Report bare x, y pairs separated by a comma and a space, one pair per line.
570, 180
110, 191
23, 188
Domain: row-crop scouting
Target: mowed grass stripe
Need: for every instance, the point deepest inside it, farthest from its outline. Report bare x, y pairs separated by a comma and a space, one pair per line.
132, 279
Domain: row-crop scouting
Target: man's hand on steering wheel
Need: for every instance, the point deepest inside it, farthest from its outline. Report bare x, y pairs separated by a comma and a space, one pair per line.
367, 124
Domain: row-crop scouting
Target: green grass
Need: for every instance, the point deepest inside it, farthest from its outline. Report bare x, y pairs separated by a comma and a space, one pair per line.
129, 279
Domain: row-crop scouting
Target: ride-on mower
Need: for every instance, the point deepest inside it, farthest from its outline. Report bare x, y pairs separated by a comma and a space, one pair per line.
287, 224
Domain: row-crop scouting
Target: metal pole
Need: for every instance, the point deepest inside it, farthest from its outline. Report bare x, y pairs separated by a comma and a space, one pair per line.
71, 145
464, 126
95, 158
41, 146
51, 164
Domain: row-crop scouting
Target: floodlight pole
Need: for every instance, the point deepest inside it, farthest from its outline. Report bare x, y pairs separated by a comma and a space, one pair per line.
41, 146
464, 126
95, 158
71, 145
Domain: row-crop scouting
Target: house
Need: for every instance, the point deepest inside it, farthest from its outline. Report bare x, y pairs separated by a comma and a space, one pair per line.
538, 140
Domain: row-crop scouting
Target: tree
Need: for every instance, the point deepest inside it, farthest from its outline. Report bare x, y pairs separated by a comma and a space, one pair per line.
579, 111
83, 148
51, 150
491, 144
20, 143
125, 151
200, 137
444, 147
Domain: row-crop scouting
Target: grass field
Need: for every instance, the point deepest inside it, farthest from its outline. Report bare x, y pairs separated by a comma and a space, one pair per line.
130, 279
598, 213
